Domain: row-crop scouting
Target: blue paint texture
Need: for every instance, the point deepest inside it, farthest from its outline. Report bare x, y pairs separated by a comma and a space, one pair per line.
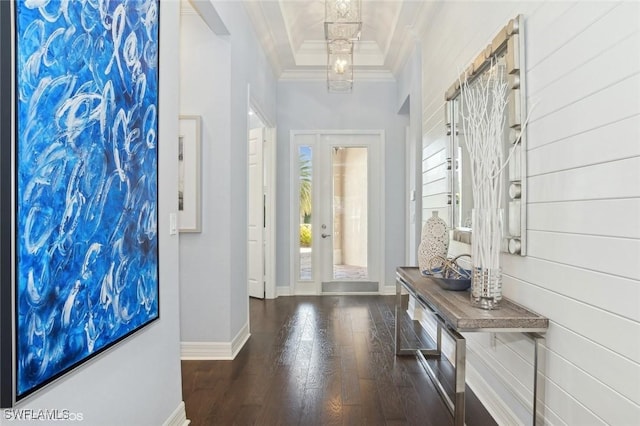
87, 244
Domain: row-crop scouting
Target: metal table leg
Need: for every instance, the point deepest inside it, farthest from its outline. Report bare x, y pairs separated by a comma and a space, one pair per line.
461, 360
537, 338
457, 407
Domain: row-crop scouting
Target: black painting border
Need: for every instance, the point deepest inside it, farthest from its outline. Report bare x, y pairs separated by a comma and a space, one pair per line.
6, 207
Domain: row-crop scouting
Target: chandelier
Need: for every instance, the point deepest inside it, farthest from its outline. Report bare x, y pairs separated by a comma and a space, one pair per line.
342, 27
342, 20
339, 66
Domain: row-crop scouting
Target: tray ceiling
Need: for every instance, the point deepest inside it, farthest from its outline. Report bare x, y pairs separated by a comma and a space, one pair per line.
292, 34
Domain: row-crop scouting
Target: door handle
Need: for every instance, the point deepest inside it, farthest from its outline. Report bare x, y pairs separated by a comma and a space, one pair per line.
325, 235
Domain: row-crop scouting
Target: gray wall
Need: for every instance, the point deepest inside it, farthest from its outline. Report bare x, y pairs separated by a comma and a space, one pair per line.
583, 229
216, 74
409, 101
137, 382
205, 258
371, 106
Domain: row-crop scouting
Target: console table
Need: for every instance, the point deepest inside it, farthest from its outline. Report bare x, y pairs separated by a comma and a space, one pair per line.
454, 314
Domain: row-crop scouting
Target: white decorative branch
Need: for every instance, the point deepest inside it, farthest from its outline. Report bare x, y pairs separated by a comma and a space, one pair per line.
483, 119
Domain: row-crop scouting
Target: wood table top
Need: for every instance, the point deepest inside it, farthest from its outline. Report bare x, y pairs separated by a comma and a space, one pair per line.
456, 310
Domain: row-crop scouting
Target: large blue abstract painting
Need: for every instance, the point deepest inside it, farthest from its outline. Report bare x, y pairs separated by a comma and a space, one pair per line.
86, 100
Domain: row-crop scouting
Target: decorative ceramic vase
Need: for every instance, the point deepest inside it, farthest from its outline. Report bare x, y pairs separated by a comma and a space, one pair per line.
486, 245
434, 243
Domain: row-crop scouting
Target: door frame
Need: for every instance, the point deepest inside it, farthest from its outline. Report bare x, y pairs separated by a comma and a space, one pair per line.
377, 184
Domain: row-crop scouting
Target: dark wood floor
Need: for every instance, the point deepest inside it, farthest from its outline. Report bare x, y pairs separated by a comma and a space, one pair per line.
319, 361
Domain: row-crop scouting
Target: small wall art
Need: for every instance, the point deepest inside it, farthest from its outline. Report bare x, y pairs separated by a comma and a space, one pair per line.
189, 184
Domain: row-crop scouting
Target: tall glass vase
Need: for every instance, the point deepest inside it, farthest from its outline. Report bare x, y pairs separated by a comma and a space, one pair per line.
486, 244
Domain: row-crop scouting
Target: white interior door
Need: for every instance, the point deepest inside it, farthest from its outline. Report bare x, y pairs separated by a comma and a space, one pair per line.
256, 215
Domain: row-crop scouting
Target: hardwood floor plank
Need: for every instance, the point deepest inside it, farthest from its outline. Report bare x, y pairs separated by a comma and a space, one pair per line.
391, 403
349, 374
371, 407
352, 415
321, 361
416, 411
312, 407
284, 400
247, 415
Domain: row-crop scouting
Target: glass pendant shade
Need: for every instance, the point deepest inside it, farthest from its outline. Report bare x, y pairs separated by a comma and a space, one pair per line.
340, 66
343, 20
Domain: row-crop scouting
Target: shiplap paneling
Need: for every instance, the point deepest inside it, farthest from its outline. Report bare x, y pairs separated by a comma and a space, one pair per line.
565, 79
582, 384
568, 25
583, 71
434, 124
517, 371
513, 370
614, 218
435, 187
587, 113
585, 149
588, 321
564, 407
435, 160
584, 285
496, 378
623, 373
616, 179
435, 174
438, 200
433, 147
613, 256
541, 25
599, 398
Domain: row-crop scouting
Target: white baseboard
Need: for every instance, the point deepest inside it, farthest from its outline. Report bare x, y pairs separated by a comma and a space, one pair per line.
283, 291
305, 289
178, 417
215, 350
238, 342
385, 290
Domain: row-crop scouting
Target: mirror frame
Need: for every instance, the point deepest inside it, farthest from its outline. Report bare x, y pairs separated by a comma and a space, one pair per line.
510, 42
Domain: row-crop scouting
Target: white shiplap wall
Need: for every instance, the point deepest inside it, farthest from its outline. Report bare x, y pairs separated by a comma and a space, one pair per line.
583, 265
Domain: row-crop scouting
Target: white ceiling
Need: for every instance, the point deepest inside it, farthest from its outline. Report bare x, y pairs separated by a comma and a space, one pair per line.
292, 34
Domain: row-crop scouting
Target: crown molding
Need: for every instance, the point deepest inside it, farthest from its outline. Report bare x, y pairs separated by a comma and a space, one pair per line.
257, 15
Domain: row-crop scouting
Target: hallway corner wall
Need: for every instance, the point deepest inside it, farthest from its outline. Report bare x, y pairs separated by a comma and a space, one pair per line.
217, 74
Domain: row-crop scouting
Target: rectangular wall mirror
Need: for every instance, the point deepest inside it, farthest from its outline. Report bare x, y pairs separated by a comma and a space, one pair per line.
504, 57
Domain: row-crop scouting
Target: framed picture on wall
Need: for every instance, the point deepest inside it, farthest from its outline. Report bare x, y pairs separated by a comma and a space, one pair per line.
189, 181
79, 184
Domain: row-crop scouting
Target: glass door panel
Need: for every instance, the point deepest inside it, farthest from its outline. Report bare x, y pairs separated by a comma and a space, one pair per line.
305, 233
350, 213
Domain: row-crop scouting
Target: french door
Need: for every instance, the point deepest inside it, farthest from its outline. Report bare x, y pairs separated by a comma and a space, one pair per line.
336, 189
